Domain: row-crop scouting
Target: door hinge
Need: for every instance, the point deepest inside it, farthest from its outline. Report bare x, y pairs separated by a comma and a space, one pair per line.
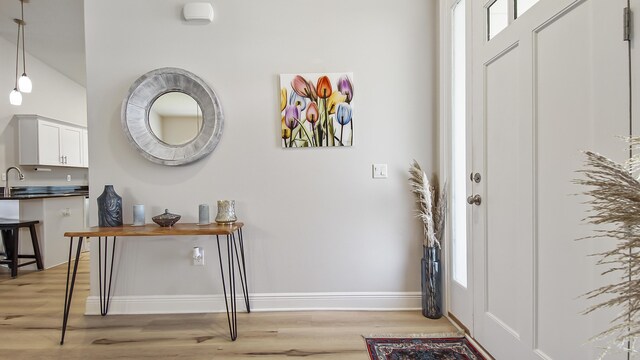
627, 24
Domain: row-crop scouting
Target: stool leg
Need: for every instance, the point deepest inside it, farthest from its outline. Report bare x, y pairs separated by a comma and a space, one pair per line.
14, 255
36, 247
6, 242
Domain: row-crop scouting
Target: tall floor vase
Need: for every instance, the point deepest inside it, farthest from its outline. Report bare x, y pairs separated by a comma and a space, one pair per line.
431, 283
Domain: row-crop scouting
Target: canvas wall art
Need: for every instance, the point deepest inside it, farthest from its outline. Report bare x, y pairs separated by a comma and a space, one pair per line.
316, 110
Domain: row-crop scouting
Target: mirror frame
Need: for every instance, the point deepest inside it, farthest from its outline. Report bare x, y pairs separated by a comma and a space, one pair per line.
135, 116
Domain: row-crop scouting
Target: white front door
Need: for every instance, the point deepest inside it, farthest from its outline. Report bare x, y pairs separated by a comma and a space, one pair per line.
545, 85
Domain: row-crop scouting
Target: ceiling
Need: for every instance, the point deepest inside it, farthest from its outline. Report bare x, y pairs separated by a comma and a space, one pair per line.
54, 33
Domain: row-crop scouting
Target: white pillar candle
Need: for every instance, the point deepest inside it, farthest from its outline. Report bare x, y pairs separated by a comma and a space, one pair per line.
138, 215
203, 214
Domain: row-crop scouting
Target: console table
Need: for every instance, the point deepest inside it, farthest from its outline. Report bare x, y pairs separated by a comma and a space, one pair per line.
232, 233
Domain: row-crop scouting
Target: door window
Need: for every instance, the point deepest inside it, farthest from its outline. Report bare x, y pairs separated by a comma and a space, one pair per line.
459, 150
523, 5
498, 17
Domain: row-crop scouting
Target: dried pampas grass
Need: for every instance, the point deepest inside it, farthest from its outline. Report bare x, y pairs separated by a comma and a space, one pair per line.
431, 205
615, 200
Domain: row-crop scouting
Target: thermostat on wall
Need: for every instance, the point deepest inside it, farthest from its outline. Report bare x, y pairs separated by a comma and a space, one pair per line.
198, 12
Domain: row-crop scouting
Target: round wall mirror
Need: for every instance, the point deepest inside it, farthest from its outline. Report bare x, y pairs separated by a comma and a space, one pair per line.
172, 117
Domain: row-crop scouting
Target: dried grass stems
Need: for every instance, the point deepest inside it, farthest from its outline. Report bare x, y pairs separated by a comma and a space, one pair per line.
615, 201
431, 205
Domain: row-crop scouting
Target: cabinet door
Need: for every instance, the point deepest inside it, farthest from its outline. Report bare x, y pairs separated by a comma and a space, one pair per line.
49, 143
85, 148
71, 145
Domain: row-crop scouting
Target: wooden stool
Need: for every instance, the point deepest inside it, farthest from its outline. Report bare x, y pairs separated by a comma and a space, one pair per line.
10, 235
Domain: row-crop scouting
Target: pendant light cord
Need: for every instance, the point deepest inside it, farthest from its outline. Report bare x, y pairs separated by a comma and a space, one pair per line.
17, 54
24, 61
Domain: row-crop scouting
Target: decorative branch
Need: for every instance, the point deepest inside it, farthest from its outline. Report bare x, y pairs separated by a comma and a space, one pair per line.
431, 205
615, 201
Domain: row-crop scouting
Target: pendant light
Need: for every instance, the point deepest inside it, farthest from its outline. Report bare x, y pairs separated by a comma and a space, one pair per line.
24, 83
15, 97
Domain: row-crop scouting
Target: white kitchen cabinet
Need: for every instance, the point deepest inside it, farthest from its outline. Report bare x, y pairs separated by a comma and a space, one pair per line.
50, 142
85, 148
71, 145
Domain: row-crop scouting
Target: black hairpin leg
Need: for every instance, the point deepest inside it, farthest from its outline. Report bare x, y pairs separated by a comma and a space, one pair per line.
230, 304
104, 285
68, 293
242, 268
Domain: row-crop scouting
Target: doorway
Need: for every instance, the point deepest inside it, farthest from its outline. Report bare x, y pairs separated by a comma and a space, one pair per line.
544, 80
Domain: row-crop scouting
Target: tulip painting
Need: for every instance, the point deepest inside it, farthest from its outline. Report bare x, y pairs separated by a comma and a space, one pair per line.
316, 110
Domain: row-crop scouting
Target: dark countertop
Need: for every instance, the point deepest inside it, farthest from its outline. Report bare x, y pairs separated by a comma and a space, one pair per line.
44, 192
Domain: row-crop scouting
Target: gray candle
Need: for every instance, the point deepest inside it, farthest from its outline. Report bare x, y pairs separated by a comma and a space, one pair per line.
138, 215
203, 214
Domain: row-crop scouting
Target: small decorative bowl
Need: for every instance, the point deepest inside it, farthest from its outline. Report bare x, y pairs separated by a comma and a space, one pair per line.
167, 219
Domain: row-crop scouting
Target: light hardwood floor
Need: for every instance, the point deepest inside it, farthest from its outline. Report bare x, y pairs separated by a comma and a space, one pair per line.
31, 316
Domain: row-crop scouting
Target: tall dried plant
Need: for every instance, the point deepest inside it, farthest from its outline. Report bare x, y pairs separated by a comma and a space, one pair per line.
431, 205
615, 201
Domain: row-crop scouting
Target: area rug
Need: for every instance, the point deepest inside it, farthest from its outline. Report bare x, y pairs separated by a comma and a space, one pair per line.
422, 349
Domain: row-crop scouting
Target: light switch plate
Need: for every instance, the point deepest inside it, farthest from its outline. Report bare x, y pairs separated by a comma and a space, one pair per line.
380, 171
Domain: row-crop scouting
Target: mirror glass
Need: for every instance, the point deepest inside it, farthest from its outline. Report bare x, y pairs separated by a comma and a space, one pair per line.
175, 118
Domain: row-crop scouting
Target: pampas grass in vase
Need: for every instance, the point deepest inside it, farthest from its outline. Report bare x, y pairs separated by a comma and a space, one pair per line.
614, 196
431, 203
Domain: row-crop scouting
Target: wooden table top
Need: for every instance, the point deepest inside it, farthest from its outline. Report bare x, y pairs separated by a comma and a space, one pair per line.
156, 230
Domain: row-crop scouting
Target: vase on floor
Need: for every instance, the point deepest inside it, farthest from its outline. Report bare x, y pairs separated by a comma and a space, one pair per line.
109, 208
431, 277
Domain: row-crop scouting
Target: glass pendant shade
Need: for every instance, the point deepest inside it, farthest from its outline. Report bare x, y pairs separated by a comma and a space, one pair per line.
15, 97
24, 84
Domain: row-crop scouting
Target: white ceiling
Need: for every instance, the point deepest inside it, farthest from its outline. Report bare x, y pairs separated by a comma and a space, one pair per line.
54, 33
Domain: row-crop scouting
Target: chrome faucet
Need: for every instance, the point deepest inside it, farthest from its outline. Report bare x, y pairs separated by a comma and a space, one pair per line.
7, 188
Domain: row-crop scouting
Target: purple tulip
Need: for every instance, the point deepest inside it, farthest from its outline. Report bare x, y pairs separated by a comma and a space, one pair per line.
346, 87
343, 114
291, 116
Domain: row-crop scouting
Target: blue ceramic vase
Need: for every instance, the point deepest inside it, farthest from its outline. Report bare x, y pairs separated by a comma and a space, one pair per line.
109, 208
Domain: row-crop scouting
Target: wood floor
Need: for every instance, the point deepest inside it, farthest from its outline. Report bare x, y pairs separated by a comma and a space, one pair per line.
31, 316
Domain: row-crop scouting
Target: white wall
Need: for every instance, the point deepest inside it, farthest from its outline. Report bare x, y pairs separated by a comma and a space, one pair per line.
316, 222
55, 96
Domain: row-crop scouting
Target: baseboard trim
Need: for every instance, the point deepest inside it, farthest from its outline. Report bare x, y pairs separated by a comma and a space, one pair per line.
175, 304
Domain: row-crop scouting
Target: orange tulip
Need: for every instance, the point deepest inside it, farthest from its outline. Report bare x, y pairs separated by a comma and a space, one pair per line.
312, 113
324, 87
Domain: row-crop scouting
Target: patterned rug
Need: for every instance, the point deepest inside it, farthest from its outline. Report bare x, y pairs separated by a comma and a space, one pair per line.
422, 349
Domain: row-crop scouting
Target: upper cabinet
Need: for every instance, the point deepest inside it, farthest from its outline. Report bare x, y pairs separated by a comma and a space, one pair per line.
51, 142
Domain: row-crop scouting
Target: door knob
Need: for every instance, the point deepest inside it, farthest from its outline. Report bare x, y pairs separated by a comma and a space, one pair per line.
474, 199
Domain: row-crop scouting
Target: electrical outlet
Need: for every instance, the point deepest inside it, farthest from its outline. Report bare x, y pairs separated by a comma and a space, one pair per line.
4, 177
380, 171
198, 256
68, 177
